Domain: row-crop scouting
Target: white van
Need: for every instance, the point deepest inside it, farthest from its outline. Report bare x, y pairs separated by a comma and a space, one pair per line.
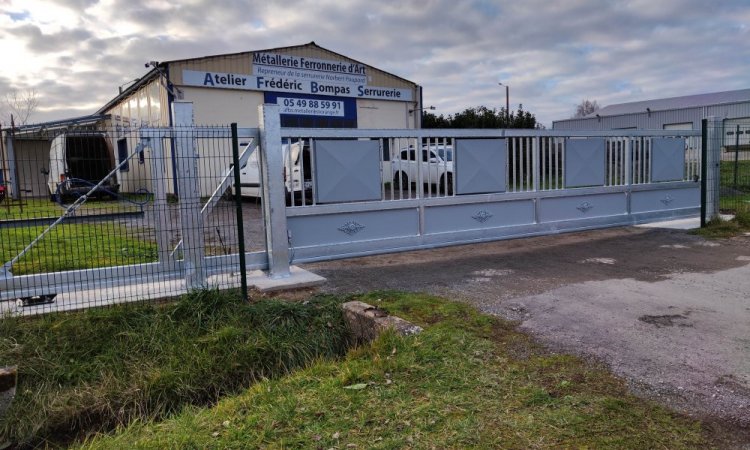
297, 173
78, 162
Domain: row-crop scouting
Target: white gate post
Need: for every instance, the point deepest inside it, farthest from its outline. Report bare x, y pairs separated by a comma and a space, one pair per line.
274, 191
188, 191
714, 137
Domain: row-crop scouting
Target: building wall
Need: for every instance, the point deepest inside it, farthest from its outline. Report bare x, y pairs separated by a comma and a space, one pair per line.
384, 114
147, 106
32, 156
242, 63
224, 106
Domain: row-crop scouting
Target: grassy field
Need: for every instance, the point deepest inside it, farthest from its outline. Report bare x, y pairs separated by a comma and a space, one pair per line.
75, 246
92, 371
30, 208
468, 381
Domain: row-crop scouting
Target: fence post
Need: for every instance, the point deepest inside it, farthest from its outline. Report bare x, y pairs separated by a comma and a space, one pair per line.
188, 189
274, 191
13, 181
710, 177
152, 139
238, 209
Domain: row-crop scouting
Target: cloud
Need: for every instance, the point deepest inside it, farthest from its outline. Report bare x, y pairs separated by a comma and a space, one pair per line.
551, 54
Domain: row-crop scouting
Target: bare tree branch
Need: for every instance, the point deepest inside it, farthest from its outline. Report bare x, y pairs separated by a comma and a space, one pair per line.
20, 105
585, 108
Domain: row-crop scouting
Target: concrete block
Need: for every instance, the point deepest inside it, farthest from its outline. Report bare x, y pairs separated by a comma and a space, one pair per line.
367, 322
298, 278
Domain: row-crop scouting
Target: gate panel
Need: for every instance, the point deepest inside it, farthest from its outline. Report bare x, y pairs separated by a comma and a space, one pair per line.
665, 200
668, 159
585, 162
352, 227
444, 219
480, 166
582, 207
347, 171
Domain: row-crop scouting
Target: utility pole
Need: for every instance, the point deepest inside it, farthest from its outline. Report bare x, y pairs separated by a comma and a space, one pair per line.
507, 104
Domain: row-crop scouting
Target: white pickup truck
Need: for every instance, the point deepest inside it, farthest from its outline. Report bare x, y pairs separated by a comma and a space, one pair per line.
435, 163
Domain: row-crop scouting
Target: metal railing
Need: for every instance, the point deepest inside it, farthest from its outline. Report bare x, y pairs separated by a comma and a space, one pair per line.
535, 159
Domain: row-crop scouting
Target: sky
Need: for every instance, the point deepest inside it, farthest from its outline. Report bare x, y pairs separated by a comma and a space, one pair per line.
552, 54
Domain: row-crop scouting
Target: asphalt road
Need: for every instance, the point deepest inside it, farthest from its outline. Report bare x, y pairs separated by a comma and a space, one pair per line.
666, 310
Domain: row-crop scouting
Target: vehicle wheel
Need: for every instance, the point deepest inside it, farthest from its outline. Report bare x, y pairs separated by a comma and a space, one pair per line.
446, 185
401, 180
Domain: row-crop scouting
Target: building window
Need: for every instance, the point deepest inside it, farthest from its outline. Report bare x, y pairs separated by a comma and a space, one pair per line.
122, 154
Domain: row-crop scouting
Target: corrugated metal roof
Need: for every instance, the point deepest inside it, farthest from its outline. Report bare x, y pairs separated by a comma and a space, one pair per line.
662, 104
80, 121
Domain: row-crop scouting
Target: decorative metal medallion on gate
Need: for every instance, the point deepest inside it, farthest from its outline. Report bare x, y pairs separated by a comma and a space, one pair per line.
585, 206
351, 228
482, 216
667, 200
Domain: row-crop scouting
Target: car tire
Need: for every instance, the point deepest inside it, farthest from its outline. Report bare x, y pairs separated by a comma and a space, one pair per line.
401, 181
446, 185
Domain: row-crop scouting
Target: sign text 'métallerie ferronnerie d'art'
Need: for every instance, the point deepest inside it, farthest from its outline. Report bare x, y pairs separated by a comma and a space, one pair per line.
295, 74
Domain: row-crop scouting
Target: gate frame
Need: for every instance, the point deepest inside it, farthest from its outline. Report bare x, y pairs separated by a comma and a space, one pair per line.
425, 241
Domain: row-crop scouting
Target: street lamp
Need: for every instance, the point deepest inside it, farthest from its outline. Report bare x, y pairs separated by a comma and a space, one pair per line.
507, 101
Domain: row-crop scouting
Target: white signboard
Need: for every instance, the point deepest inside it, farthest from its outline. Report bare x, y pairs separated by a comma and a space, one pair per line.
293, 85
277, 65
310, 107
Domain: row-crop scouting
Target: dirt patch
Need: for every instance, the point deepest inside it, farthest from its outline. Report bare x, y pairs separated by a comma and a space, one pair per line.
666, 320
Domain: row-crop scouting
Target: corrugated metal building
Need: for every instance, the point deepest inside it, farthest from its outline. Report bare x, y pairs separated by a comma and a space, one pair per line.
676, 113
228, 88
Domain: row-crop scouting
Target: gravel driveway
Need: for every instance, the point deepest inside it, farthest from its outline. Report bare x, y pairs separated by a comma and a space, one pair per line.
668, 311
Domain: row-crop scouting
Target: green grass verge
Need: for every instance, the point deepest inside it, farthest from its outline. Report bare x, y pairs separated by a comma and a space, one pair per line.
75, 246
719, 228
98, 369
468, 381
31, 208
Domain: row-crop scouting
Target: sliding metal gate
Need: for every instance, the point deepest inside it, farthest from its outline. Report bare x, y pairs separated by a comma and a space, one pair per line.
379, 191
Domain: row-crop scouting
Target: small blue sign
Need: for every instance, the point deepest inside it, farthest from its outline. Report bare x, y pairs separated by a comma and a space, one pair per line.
314, 111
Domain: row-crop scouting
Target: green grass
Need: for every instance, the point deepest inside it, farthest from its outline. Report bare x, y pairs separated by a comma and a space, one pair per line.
31, 208
468, 381
719, 228
733, 197
95, 370
75, 246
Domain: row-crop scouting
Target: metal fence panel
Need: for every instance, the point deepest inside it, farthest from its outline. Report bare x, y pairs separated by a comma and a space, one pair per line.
727, 187
103, 223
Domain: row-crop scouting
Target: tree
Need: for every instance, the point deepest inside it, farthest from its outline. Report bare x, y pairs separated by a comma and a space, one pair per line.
20, 105
585, 108
481, 117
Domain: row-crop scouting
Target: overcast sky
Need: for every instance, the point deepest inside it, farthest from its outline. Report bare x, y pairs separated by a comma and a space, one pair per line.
551, 53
